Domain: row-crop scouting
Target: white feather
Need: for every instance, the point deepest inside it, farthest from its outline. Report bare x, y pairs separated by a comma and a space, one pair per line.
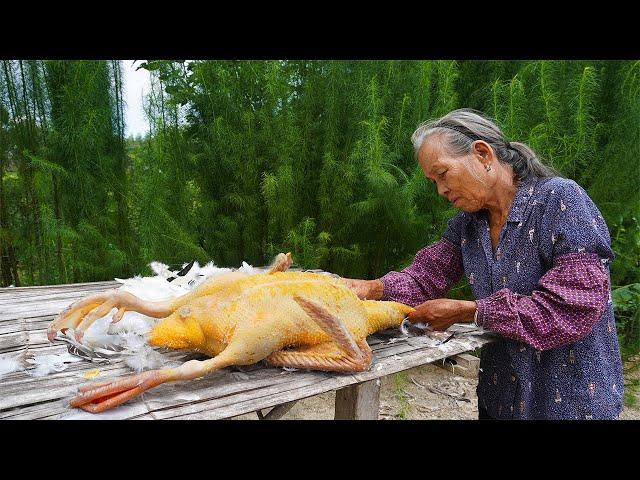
152, 289
248, 269
144, 358
45, 364
160, 269
133, 322
210, 269
8, 365
158, 288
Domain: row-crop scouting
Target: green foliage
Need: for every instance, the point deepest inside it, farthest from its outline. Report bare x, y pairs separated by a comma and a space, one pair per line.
249, 158
627, 310
400, 382
625, 242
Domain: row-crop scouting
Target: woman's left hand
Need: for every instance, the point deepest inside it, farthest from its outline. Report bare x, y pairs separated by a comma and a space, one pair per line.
441, 313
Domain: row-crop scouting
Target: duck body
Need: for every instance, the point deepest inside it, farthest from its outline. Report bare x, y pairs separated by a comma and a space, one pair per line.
261, 313
290, 319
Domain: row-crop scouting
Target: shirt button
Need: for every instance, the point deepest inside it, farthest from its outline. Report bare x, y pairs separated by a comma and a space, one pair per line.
513, 378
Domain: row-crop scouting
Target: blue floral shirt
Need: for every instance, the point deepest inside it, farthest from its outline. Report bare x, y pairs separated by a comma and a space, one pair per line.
545, 289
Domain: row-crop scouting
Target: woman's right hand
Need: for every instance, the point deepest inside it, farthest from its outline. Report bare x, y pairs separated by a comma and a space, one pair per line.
365, 289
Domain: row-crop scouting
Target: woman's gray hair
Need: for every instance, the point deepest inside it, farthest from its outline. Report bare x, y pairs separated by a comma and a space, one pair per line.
460, 128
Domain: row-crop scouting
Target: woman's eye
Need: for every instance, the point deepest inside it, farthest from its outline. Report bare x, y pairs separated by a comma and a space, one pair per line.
441, 174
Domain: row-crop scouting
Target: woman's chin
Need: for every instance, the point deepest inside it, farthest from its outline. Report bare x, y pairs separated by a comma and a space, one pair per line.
466, 205
467, 208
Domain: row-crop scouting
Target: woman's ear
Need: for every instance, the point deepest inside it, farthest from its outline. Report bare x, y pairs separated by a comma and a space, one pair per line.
482, 151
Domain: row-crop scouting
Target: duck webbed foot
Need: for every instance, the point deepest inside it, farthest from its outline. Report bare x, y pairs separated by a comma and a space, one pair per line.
82, 313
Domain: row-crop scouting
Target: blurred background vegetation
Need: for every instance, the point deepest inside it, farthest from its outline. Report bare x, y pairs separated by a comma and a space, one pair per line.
245, 159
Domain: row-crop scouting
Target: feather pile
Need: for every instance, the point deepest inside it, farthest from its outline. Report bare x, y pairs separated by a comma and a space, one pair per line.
104, 341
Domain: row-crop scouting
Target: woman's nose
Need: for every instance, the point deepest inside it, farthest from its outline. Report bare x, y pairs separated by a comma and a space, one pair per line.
442, 190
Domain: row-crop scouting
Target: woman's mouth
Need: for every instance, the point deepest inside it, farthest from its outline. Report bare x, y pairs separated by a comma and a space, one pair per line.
455, 200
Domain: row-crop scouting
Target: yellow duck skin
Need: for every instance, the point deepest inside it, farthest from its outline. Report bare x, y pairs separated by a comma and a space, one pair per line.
290, 319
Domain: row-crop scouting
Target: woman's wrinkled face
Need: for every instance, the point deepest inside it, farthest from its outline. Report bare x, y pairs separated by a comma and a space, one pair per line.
461, 180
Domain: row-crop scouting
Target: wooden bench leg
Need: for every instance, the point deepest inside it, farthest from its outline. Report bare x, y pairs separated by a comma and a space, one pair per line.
462, 364
358, 402
276, 412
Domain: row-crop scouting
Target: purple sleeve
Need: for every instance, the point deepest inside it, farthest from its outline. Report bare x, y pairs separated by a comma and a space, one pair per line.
435, 269
569, 300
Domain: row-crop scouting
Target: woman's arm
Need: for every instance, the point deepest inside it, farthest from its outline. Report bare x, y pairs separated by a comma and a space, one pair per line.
365, 289
569, 300
434, 270
572, 295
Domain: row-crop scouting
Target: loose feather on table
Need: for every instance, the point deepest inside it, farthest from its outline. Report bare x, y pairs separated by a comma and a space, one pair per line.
45, 364
9, 365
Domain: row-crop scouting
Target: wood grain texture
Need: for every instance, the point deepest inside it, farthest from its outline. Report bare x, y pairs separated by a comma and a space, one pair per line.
358, 402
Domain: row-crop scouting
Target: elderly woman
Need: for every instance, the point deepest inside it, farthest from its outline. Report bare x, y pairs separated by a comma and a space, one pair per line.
536, 252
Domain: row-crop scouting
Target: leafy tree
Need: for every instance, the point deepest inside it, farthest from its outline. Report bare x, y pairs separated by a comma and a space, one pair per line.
248, 158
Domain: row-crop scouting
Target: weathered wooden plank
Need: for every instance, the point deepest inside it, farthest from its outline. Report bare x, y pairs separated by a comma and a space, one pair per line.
28, 390
37, 289
26, 292
8, 299
48, 349
32, 412
15, 340
159, 400
25, 302
13, 303
65, 383
360, 401
100, 284
165, 406
132, 410
394, 364
20, 324
381, 354
54, 289
267, 397
467, 361
30, 338
16, 325
332, 382
71, 286
14, 388
34, 310
221, 395
19, 391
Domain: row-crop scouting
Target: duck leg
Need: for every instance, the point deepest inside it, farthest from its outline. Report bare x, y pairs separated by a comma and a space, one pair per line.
82, 313
100, 396
281, 263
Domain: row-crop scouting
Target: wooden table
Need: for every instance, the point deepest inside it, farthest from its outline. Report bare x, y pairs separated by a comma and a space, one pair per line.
26, 312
